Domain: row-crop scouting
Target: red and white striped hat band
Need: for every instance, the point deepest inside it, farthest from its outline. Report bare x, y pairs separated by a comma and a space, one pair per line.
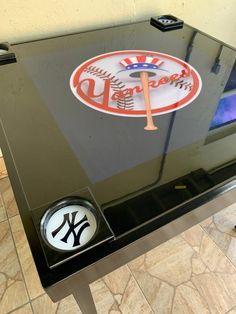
141, 59
135, 65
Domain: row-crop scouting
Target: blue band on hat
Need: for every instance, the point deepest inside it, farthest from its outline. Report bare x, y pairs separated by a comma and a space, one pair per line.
142, 66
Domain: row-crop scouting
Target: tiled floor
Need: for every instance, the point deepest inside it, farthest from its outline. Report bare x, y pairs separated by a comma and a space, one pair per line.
194, 272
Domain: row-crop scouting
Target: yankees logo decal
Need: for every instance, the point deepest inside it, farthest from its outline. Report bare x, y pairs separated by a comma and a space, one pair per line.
135, 83
70, 227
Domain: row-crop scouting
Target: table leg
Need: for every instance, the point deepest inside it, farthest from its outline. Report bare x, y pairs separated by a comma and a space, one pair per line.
84, 298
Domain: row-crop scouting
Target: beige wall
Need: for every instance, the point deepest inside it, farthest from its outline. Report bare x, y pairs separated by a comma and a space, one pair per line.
23, 20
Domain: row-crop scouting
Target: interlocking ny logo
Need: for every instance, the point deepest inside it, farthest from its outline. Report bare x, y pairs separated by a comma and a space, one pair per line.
71, 227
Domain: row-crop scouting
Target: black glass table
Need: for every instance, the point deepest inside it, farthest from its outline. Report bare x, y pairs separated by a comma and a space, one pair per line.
115, 140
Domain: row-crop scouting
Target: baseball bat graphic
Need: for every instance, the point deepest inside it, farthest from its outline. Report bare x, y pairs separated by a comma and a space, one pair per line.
141, 67
144, 81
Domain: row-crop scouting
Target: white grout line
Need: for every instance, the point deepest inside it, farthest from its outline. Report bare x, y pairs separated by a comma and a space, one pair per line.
17, 308
217, 246
31, 307
39, 296
140, 288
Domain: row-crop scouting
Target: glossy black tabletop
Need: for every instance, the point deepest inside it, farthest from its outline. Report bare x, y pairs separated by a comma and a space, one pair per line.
56, 144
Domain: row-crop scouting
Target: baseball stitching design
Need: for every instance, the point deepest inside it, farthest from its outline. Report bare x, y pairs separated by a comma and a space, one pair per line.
181, 84
116, 85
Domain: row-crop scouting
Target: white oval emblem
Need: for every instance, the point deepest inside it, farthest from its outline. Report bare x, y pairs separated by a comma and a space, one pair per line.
69, 228
114, 83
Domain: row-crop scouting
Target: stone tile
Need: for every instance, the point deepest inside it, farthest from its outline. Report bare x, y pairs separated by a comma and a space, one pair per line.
3, 169
133, 300
164, 263
232, 311
13, 292
193, 237
118, 292
26, 309
26, 260
8, 197
213, 257
44, 304
187, 274
218, 289
220, 228
3, 214
188, 300
103, 297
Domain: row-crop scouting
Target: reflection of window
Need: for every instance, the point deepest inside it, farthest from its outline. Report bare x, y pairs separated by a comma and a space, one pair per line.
226, 110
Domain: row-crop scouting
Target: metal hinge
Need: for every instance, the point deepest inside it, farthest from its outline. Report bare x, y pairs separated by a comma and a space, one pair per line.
6, 54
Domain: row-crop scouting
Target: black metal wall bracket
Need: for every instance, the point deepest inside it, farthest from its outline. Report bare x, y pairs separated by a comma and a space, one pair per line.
6, 54
216, 66
166, 22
